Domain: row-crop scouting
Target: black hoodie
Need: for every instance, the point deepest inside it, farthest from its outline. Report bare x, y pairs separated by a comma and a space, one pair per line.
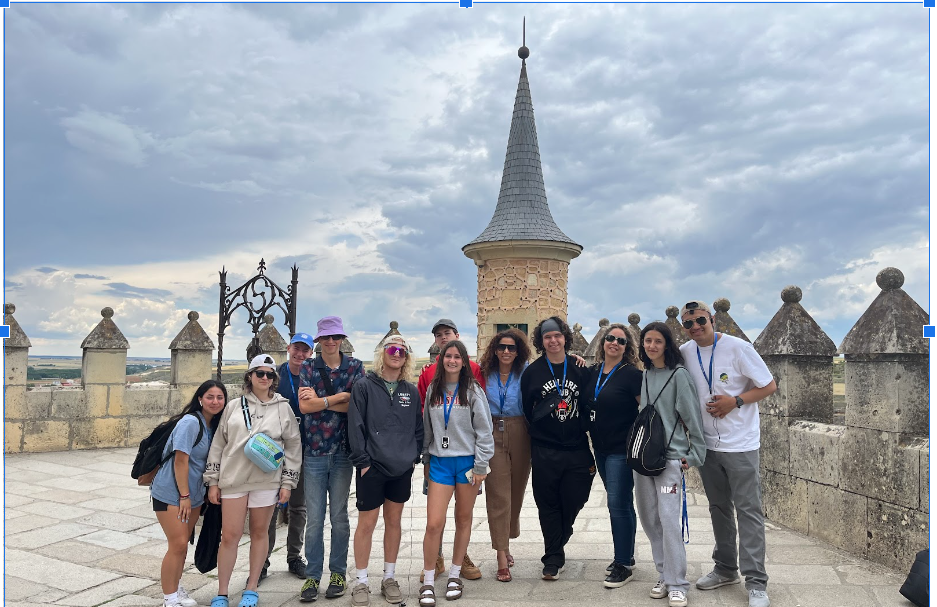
562, 429
383, 431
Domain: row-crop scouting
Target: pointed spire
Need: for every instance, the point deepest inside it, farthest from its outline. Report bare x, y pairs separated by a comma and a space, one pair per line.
522, 212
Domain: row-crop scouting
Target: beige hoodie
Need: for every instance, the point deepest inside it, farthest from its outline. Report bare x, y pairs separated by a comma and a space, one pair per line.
230, 469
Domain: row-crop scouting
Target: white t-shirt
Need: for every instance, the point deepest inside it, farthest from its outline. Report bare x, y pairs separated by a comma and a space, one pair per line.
737, 368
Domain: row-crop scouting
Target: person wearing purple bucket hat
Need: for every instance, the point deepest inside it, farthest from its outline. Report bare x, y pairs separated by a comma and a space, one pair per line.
325, 390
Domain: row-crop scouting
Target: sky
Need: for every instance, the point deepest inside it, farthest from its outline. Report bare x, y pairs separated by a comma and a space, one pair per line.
695, 151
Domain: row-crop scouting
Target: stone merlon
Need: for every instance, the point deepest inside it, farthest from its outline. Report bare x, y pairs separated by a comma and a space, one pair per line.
17, 338
892, 323
269, 338
192, 336
793, 331
106, 336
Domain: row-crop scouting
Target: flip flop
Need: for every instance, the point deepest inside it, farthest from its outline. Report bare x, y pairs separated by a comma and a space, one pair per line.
504, 575
249, 598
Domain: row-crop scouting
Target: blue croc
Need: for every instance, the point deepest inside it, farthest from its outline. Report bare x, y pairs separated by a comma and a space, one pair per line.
248, 599
219, 601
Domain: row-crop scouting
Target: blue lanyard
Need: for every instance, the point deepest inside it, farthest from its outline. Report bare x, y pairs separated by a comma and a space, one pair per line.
560, 388
503, 390
292, 385
712, 355
450, 402
598, 388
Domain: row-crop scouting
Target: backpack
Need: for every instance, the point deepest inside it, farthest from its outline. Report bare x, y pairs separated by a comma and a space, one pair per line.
150, 458
647, 444
915, 588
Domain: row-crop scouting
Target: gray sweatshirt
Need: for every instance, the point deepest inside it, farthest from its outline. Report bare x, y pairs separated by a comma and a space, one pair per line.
470, 431
678, 397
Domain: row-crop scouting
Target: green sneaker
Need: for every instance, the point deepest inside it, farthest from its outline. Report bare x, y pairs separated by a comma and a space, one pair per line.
310, 591
336, 586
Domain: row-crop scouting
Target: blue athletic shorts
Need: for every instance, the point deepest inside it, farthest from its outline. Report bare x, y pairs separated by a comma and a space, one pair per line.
450, 470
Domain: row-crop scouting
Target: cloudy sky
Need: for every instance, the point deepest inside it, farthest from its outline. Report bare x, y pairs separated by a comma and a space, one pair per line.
695, 151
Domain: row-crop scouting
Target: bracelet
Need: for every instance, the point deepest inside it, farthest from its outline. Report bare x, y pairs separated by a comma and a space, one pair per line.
184, 497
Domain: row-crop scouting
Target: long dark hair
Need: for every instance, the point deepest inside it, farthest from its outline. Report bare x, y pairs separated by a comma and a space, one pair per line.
631, 352
195, 405
672, 355
537, 337
489, 361
466, 378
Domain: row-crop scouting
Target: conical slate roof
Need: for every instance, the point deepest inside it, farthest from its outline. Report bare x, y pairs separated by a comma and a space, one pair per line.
522, 212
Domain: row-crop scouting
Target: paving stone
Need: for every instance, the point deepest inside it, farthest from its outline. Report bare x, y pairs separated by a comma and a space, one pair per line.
77, 552
53, 572
16, 589
45, 468
11, 514
57, 511
15, 486
115, 521
47, 535
154, 532
126, 492
11, 500
28, 523
863, 573
105, 592
135, 600
54, 483
63, 496
111, 504
133, 564
809, 575
109, 538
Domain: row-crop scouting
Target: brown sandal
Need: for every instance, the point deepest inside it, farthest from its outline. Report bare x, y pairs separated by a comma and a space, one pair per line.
427, 596
454, 585
504, 575
510, 560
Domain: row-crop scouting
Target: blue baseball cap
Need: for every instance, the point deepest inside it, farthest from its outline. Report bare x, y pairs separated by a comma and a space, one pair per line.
303, 338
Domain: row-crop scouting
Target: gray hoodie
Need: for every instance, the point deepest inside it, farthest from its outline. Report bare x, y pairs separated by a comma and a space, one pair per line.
470, 430
679, 396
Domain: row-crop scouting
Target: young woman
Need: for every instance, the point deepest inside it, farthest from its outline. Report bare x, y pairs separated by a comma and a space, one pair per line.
457, 446
667, 386
612, 394
178, 491
238, 484
385, 433
504, 360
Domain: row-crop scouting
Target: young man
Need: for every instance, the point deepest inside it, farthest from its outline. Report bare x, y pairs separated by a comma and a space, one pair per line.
297, 352
384, 399
730, 379
325, 392
562, 467
445, 331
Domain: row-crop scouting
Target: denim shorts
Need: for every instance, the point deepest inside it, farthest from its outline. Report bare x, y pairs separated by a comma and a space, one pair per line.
450, 470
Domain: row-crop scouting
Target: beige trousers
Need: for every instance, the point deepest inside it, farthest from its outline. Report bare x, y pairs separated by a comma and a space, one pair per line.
507, 482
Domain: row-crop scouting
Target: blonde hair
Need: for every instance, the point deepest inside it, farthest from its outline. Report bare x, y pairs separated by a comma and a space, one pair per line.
406, 372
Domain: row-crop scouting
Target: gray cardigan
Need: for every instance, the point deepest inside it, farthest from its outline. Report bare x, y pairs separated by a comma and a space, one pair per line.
678, 396
470, 429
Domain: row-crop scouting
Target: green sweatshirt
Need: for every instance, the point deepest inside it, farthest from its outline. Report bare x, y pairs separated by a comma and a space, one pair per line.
679, 396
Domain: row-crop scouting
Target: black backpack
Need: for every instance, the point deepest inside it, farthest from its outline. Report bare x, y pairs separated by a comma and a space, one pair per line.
647, 445
915, 588
150, 452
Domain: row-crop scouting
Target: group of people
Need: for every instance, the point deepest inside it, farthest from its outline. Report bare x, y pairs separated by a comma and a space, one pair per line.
501, 422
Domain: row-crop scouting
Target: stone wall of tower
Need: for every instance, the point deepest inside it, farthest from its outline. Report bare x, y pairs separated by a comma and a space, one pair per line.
519, 291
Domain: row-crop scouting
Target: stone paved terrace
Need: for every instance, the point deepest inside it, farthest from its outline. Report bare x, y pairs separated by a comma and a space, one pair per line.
80, 532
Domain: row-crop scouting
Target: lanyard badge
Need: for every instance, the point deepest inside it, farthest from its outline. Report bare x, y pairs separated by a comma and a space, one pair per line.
712, 356
446, 411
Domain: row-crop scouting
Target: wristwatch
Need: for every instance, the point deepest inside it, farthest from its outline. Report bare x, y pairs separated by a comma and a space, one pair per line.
739, 402
326, 401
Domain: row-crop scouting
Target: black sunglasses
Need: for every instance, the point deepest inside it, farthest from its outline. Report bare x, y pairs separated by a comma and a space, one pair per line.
621, 340
700, 320
268, 374
507, 348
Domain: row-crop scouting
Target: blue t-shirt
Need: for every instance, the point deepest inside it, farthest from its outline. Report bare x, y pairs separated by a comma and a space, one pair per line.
182, 438
513, 406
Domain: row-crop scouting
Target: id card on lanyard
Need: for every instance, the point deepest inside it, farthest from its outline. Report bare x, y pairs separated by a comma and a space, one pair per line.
446, 411
712, 356
502, 395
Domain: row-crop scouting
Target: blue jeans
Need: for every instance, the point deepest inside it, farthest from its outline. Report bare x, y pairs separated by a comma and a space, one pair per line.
619, 484
327, 475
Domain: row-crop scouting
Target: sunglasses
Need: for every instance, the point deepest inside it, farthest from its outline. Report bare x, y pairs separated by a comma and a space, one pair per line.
621, 340
395, 351
267, 374
688, 324
332, 337
506, 348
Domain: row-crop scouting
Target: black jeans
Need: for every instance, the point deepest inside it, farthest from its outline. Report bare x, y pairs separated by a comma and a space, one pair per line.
561, 481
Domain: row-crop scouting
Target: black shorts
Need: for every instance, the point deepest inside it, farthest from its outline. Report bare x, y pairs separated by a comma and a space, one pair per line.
374, 487
159, 506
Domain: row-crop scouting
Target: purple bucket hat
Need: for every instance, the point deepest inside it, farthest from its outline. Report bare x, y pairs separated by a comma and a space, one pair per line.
329, 325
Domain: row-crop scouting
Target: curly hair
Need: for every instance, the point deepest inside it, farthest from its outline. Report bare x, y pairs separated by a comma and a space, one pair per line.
489, 361
406, 372
631, 352
672, 355
537, 337
466, 378
249, 387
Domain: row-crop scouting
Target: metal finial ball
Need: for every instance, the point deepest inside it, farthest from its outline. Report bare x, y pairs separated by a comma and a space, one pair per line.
791, 294
890, 279
523, 52
107, 312
268, 319
603, 322
722, 305
672, 311
193, 315
394, 325
634, 318
9, 308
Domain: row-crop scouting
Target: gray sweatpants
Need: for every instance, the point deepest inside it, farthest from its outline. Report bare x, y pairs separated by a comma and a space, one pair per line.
733, 487
659, 500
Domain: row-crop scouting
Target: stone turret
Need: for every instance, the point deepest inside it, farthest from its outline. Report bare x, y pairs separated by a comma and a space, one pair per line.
579, 344
190, 354
393, 331
673, 323
15, 359
522, 256
271, 342
634, 328
104, 377
724, 323
592, 349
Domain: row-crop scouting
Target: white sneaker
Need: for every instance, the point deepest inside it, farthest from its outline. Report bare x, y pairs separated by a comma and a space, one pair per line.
713, 580
758, 598
184, 599
168, 603
659, 590
677, 598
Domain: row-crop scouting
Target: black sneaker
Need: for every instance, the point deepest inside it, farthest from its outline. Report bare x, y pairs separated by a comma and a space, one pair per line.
619, 576
551, 572
336, 586
310, 591
612, 565
297, 567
